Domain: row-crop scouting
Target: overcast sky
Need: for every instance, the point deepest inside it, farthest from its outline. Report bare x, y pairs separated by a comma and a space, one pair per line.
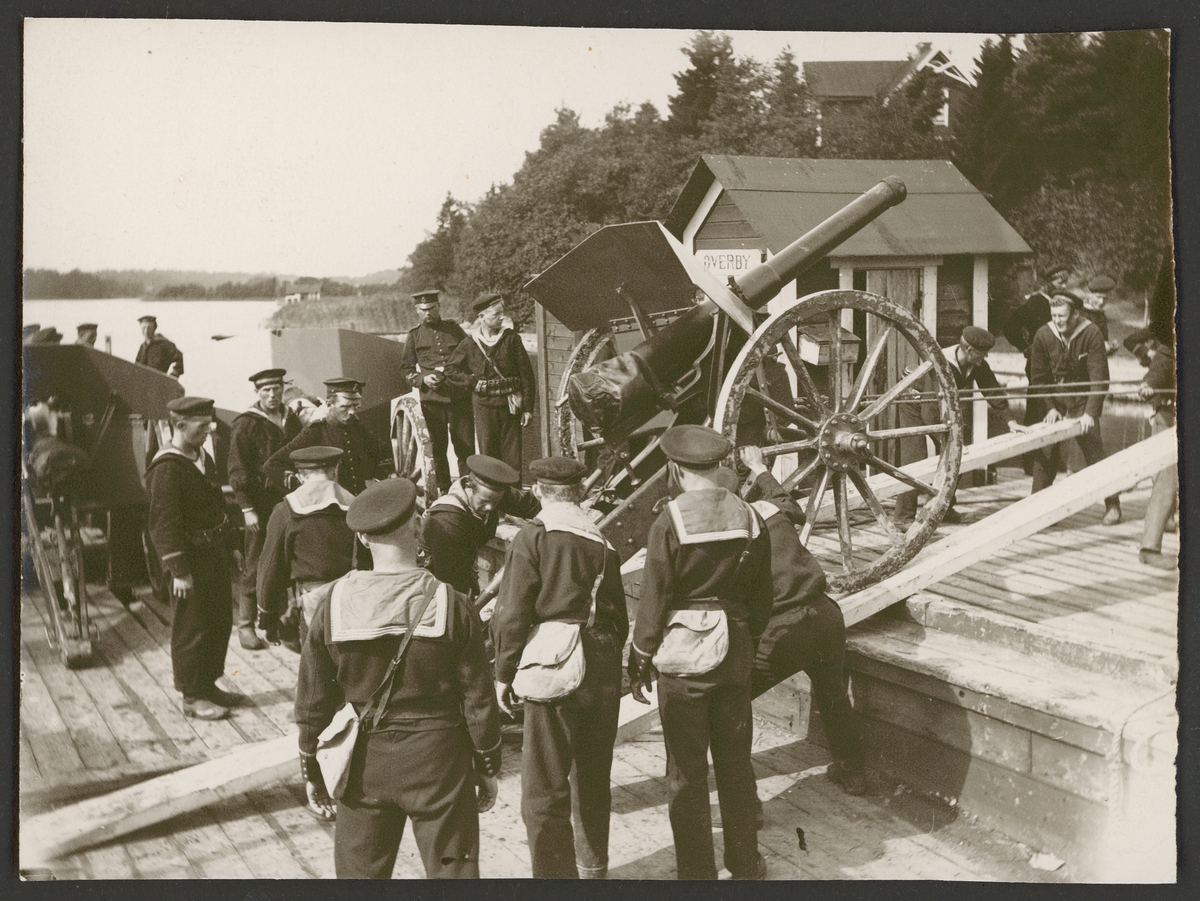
314, 148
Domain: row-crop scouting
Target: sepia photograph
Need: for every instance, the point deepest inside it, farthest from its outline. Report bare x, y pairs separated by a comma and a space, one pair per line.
475, 451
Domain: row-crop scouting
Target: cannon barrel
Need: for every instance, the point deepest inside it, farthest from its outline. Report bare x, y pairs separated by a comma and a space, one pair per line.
618, 395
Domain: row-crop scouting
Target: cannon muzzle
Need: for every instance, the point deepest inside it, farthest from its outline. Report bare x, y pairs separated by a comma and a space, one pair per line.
618, 395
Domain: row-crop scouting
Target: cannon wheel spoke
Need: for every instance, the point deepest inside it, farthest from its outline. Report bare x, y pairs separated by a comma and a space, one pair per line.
839, 405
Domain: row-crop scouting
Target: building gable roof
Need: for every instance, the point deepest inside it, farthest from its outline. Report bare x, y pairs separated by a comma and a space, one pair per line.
784, 198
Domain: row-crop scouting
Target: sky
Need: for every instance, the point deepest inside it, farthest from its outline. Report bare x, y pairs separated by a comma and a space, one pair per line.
321, 149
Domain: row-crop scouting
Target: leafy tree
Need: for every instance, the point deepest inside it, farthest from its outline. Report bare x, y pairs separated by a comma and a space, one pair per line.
432, 262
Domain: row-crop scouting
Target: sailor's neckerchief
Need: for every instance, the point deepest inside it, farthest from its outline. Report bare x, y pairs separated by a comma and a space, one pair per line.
562, 516
256, 409
483, 339
1066, 340
317, 495
455, 499
172, 449
366, 604
711, 514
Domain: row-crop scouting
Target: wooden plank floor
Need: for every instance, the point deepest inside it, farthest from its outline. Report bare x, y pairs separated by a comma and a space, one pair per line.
91, 730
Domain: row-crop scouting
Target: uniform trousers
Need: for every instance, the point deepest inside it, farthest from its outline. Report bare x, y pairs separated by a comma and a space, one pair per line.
252, 548
813, 639
498, 433
696, 715
566, 764
1046, 460
426, 776
449, 423
1163, 493
200, 623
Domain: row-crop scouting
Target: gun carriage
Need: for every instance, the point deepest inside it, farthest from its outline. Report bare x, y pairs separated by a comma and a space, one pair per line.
91, 420
817, 384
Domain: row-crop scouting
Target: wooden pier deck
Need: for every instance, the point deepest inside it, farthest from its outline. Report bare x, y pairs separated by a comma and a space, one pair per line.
88, 731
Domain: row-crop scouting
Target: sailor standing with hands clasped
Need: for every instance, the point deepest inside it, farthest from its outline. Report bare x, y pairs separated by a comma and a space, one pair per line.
433, 752
562, 600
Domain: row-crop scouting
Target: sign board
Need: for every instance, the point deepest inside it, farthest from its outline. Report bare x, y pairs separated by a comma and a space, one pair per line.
724, 263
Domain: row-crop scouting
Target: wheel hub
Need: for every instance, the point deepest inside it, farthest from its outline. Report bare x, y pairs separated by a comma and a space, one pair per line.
842, 442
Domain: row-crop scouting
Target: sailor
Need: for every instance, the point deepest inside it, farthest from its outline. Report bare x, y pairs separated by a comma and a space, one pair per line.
968, 362
434, 753
1158, 388
259, 431
364, 458
48, 335
29, 332
1094, 299
1070, 350
188, 529
157, 351
708, 567
493, 364
1034, 312
561, 569
807, 630
307, 543
86, 333
464, 519
446, 406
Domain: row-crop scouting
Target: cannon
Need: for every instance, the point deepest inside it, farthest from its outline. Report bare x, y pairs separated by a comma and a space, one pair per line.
817, 384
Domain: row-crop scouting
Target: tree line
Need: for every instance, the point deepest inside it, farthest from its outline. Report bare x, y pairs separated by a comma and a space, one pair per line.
1066, 135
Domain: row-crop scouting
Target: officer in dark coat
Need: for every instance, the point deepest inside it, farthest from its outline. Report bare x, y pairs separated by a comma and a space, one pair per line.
364, 458
1070, 349
189, 532
259, 431
560, 568
157, 351
435, 753
494, 366
464, 519
708, 550
446, 406
307, 543
807, 630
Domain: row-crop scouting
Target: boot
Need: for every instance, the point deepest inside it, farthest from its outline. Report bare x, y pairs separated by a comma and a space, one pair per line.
1112, 513
249, 639
1158, 560
203, 709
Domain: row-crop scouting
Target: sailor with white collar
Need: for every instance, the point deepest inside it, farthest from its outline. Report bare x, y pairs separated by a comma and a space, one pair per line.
263, 428
189, 531
432, 754
561, 569
708, 570
308, 543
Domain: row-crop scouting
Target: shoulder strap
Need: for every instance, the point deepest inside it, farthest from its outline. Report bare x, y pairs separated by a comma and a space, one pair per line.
487, 356
382, 694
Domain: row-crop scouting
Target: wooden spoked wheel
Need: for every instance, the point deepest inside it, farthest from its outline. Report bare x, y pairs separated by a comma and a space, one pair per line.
842, 433
412, 450
596, 345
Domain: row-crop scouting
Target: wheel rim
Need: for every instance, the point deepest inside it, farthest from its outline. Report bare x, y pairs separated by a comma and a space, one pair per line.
595, 345
412, 449
841, 434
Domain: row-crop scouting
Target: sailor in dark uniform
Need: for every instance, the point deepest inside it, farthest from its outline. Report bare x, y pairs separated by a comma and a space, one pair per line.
807, 631
560, 568
464, 519
1034, 312
494, 366
157, 351
707, 551
86, 333
434, 753
365, 459
188, 530
446, 406
307, 543
257, 433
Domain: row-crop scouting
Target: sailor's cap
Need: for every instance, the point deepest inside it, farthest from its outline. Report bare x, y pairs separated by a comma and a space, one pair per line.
192, 406
695, 446
978, 338
267, 377
382, 507
558, 470
349, 387
318, 457
493, 472
483, 301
